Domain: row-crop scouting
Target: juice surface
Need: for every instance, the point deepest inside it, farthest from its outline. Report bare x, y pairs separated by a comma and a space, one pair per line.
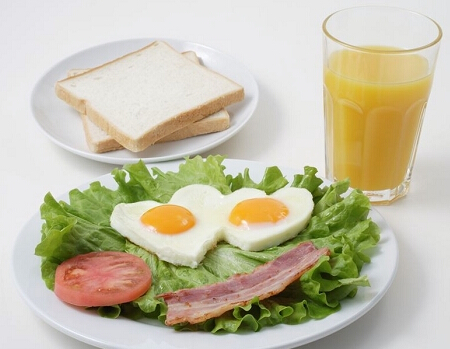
374, 104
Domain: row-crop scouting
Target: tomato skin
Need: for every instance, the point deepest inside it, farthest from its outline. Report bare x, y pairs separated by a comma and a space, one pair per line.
102, 279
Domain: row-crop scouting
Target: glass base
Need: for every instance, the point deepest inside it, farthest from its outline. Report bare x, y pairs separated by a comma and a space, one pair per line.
387, 196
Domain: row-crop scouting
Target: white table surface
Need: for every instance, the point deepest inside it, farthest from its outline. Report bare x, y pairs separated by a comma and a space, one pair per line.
280, 43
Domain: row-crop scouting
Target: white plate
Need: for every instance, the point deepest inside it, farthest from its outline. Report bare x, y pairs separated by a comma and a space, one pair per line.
120, 333
63, 125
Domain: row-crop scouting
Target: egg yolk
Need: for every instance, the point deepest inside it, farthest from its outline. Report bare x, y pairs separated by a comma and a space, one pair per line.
258, 210
169, 219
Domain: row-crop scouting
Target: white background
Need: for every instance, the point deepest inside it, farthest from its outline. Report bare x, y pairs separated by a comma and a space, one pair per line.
280, 43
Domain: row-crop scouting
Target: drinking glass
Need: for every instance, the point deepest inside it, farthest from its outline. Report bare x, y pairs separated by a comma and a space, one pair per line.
378, 72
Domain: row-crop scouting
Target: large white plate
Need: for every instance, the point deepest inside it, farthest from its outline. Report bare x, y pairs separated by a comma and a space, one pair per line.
120, 333
63, 125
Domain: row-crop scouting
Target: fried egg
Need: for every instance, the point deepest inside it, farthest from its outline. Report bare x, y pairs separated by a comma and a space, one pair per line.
255, 221
198, 216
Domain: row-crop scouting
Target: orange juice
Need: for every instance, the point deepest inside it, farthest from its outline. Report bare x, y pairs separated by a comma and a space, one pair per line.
374, 105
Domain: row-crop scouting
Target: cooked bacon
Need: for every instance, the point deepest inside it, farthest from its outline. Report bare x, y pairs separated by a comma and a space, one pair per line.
198, 304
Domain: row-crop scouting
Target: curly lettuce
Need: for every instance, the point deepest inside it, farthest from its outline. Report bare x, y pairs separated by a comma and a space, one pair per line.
339, 222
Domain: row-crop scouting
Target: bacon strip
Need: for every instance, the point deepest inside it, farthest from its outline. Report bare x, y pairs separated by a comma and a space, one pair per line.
198, 304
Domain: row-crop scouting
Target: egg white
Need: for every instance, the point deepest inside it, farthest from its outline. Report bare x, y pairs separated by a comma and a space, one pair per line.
211, 210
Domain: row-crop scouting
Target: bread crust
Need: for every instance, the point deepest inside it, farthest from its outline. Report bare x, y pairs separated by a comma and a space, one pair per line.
217, 122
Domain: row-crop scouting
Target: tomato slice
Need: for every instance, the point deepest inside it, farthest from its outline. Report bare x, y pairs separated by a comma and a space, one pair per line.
102, 278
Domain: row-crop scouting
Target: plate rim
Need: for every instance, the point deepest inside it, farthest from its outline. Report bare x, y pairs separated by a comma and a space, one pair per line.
249, 104
219, 341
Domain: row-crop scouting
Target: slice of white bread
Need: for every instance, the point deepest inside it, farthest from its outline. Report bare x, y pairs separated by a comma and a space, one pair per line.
99, 141
219, 121
148, 94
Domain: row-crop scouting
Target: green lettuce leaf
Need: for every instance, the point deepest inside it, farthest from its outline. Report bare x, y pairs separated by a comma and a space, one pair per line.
340, 222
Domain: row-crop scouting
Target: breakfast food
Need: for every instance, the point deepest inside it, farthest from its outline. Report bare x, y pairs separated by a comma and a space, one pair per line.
194, 305
148, 94
99, 141
219, 121
339, 232
198, 216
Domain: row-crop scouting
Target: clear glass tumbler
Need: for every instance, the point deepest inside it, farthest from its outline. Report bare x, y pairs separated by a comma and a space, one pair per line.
378, 72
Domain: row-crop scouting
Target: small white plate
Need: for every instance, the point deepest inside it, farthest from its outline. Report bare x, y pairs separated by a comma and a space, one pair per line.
123, 333
63, 125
